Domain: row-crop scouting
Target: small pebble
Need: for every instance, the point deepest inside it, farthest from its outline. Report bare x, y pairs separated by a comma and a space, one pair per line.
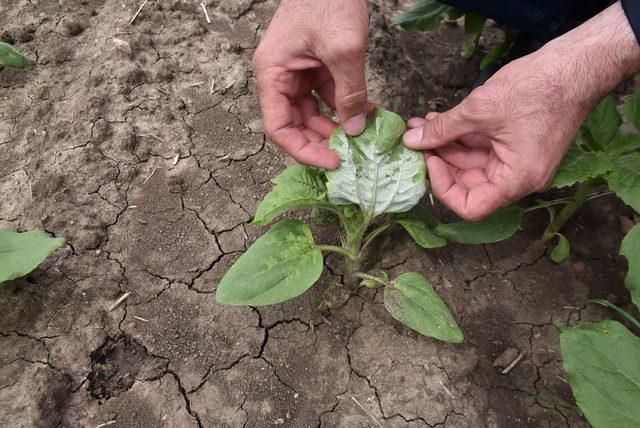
279, 421
578, 266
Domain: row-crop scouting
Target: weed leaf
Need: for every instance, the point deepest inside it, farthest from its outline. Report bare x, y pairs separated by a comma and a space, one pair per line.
20, 253
419, 223
624, 179
578, 166
603, 122
12, 57
425, 15
602, 362
298, 186
560, 252
376, 170
498, 226
630, 249
280, 265
632, 109
412, 300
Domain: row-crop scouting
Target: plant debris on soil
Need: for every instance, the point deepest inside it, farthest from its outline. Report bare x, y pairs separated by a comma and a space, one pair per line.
150, 164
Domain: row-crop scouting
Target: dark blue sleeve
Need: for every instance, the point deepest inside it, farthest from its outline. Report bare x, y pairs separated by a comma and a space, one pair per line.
632, 10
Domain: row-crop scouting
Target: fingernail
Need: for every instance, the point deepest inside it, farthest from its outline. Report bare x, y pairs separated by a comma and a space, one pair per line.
413, 136
355, 125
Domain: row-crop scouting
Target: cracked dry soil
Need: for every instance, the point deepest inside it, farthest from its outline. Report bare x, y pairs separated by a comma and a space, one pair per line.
152, 177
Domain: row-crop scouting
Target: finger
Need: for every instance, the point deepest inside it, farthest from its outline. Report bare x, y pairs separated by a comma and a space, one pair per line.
298, 145
461, 157
415, 122
278, 117
328, 94
471, 178
313, 137
470, 203
312, 118
442, 129
476, 140
350, 95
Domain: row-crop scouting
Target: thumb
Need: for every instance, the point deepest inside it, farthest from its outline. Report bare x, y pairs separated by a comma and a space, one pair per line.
350, 91
439, 130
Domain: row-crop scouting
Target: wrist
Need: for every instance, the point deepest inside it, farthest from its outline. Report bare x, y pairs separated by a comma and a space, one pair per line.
596, 56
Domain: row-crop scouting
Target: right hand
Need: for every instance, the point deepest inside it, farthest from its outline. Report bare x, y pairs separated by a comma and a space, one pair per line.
313, 45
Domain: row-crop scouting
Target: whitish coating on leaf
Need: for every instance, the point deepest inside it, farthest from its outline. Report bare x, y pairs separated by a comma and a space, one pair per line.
579, 165
424, 15
602, 362
280, 265
298, 186
624, 179
376, 170
20, 253
411, 300
630, 249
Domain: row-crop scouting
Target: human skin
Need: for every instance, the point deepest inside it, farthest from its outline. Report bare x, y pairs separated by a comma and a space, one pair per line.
502, 142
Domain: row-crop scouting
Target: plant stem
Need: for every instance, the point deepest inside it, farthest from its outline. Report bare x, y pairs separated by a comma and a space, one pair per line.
363, 275
374, 234
339, 250
582, 194
548, 204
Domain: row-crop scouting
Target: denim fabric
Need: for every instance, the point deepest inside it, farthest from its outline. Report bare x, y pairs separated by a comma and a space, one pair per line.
543, 19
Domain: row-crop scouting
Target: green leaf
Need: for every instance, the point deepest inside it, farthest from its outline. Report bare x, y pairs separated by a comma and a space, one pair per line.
602, 362
624, 179
468, 49
632, 109
376, 170
425, 15
560, 252
603, 122
578, 166
498, 226
498, 51
280, 265
298, 186
12, 57
623, 143
630, 249
419, 223
411, 300
473, 23
20, 253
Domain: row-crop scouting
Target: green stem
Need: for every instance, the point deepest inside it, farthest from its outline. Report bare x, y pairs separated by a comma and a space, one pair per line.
374, 234
624, 314
548, 204
582, 194
348, 255
363, 275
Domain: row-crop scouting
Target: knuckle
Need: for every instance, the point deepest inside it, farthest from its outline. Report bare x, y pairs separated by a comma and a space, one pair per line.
437, 127
353, 98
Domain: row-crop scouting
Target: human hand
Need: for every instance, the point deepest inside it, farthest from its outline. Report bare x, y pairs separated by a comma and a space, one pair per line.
313, 45
506, 139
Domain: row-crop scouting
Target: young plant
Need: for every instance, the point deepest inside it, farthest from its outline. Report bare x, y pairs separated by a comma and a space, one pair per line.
20, 253
12, 57
602, 360
602, 156
427, 15
379, 183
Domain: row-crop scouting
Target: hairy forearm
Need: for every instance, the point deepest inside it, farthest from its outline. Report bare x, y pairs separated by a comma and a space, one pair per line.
598, 55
